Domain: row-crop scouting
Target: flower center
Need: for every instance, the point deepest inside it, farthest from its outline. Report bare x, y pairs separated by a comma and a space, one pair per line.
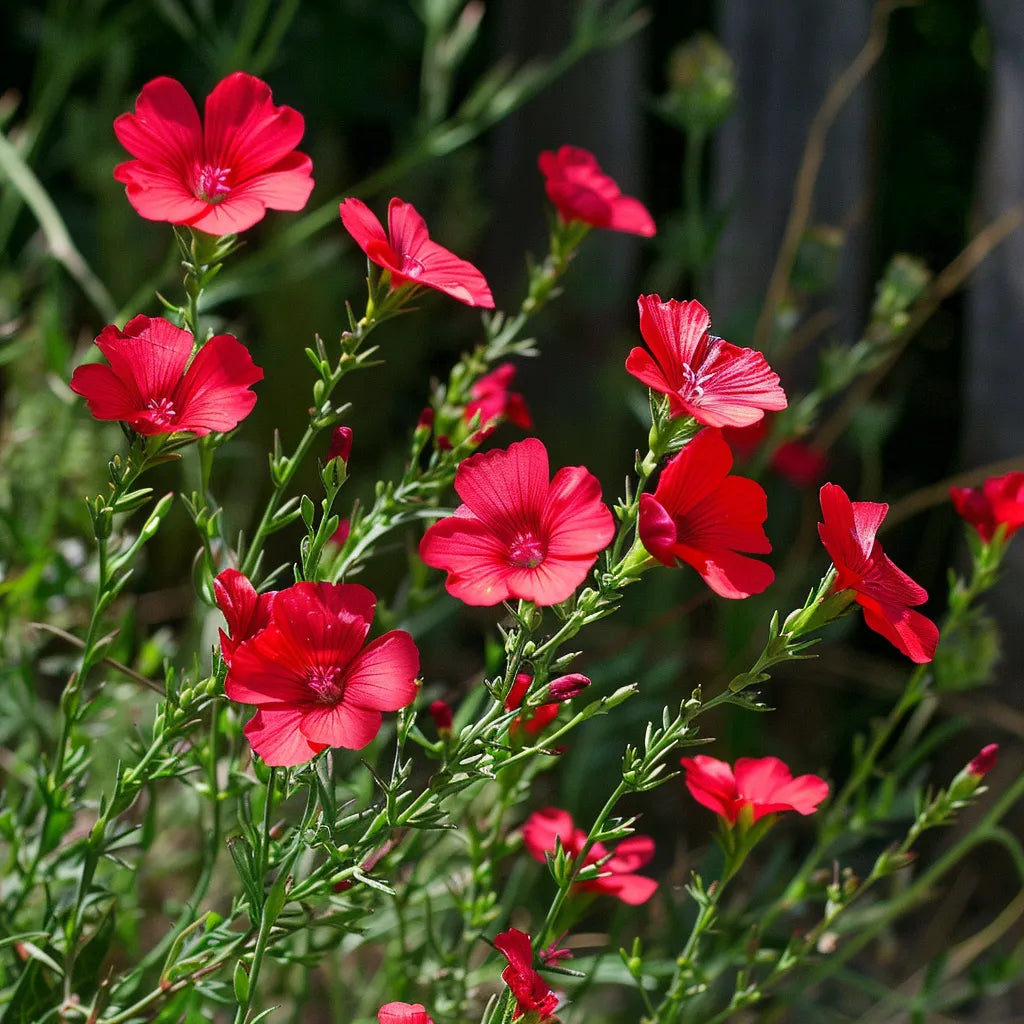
692, 385
161, 411
211, 183
526, 550
411, 267
327, 683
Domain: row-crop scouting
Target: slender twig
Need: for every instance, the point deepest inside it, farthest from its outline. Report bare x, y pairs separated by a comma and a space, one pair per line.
938, 494
950, 280
810, 164
75, 642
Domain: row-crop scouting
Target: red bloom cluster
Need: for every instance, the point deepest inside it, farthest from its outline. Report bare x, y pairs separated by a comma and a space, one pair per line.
581, 191
764, 784
403, 1013
617, 878
715, 382
702, 516
298, 655
410, 256
518, 534
493, 400
152, 386
885, 593
222, 175
532, 992
998, 502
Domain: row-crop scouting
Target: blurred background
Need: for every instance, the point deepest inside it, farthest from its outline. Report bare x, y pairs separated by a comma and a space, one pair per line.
703, 110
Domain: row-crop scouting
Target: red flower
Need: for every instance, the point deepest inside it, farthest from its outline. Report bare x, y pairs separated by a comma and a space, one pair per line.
247, 612
314, 683
532, 992
494, 402
715, 382
341, 444
517, 535
999, 501
410, 256
148, 386
220, 176
534, 720
700, 515
544, 827
403, 1013
764, 784
799, 463
885, 592
984, 761
580, 190
441, 713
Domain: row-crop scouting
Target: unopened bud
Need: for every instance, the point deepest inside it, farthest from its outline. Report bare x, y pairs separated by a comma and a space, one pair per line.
426, 420
566, 687
985, 760
441, 713
341, 444
443, 444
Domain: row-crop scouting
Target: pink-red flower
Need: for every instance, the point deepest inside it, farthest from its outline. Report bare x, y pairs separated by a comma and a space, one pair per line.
885, 593
403, 1013
531, 991
617, 878
341, 444
715, 382
984, 761
517, 534
221, 175
152, 386
493, 400
764, 784
247, 612
702, 516
533, 720
410, 256
998, 502
580, 190
314, 683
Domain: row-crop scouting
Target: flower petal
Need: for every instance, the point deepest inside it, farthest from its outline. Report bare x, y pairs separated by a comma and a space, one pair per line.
273, 732
383, 675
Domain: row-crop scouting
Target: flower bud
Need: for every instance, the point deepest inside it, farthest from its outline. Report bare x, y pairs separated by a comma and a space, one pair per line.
426, 420
341, 444
566, 687
442, 716
702, 84
443, 444
984, 761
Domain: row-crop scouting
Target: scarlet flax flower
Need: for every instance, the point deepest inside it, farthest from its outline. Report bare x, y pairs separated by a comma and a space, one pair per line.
493, 400
247, 612
152, 386
618, 878
220, 175
314, 683
408, 254
403, 1013
885, 593
702, 516
517, 535
715, 382
581, 191
998, 502
763, 784
531, 991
